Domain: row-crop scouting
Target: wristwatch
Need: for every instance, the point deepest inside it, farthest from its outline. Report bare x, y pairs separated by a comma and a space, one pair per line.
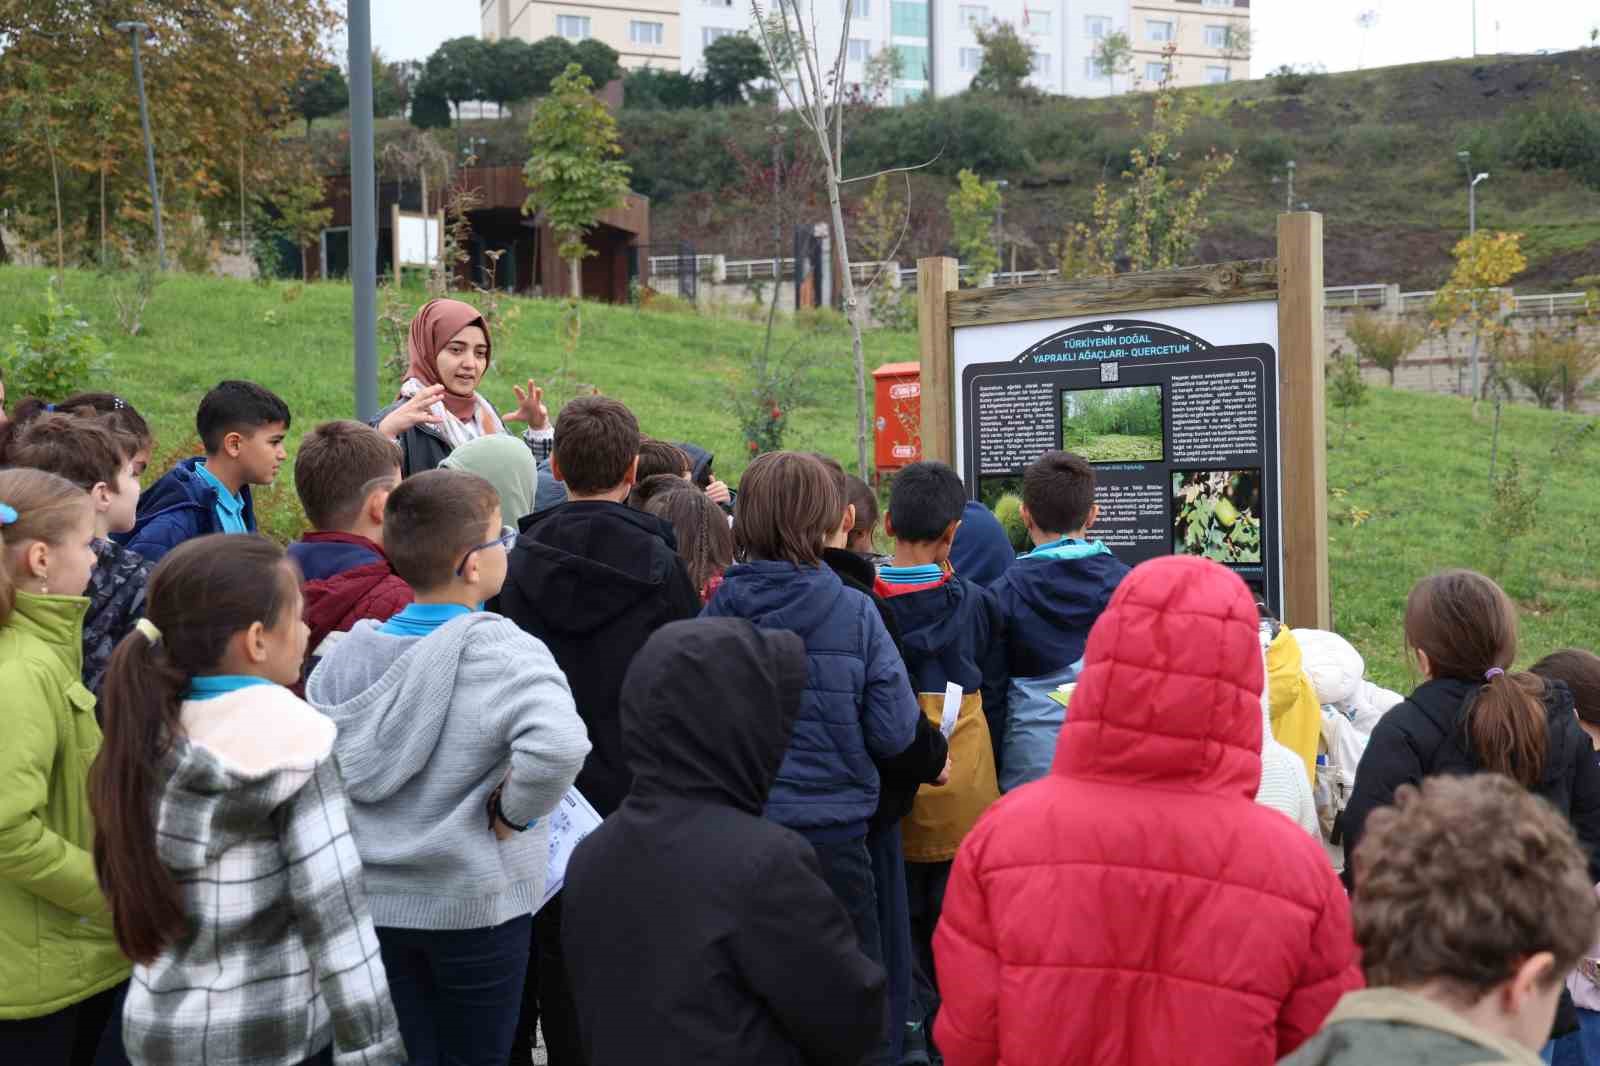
496, 812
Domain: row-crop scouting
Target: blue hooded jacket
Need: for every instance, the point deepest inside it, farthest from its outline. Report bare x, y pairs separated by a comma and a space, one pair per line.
1049, 600
179, 507
857, 703
982, 552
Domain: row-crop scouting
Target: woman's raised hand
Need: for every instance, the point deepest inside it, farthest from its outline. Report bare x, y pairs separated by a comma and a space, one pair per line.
414, 412
530, 407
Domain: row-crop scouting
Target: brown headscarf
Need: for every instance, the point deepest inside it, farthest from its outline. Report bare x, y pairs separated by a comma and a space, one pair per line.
431, 330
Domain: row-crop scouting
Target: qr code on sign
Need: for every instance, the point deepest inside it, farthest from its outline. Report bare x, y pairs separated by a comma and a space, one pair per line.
1108, 372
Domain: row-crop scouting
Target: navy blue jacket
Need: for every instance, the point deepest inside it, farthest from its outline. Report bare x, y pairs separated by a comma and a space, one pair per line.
857, 704
1048, 606
180, 506
982, 552
323, 555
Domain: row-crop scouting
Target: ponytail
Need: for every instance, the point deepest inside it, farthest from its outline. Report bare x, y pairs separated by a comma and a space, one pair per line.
143, 694
1509, 728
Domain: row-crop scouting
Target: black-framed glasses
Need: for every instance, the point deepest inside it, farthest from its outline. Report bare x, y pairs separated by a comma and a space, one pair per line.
507, 535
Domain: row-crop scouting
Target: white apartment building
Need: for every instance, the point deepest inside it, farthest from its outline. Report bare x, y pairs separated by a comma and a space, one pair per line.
936, 39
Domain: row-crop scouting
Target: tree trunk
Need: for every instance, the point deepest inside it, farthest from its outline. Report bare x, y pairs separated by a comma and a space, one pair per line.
575, 279
102, 214
852, 312
304, 267
61, 245
243, 247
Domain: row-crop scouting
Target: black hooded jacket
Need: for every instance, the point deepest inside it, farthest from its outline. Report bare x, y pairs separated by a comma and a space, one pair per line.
697, 932
593, 579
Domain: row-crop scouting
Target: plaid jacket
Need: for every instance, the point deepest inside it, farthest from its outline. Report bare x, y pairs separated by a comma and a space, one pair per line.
280, 956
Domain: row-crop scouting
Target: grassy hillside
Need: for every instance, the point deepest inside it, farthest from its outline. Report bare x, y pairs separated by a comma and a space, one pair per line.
1417, 465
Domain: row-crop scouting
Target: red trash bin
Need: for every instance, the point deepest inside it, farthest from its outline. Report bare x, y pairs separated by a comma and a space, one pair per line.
897, 405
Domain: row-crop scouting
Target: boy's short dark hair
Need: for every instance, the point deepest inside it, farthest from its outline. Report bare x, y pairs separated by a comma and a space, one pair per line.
860, 495
237, 407
82, 450
597, 439
787, 508
432, 520
923, 500
1428, 909
1058, 491
1580, 670
338, 466
660, 457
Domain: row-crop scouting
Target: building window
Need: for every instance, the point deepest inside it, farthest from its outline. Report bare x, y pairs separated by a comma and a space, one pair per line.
1216, 75
974, 15
1097, 27
646, 32
1041, 64
573, 27
1216, 3
860, 50
907, 96
709, 35
861, 9
1037, 22
1155, 72
908, 19
1158, 30
1216, 36
913, 61
716, 3
971, 60
1091, 69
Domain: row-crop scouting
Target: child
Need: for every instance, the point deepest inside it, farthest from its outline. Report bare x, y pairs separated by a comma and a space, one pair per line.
705, 543
981, 552
242, 427
1138, 880
1049, 599
659, 457
343, 473
85, 452
505, 463
1471, 716
1464, 948
951, 633
60, 972
857, 704
432, 708
864, 502
592, 579
697, 931
221, 837
701, 474
1579, 670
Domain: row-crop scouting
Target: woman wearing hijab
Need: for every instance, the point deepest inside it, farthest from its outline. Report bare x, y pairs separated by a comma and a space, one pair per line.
503, 462
439, 407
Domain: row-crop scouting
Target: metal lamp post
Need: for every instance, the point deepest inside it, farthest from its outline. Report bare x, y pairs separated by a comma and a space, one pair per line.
1472, 230
363, 211
137, 30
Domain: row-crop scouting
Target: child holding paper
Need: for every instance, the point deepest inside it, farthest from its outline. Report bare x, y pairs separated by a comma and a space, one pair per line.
452, 721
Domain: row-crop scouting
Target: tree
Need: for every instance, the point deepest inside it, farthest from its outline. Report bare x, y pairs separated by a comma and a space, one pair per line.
390, 88
321, 91
649, 89
573, 172
301, 217
732, 63
1236, 43
882, 70
1473, 296
600, 62
548, 57
973, 205
1113, 56
429, 109
457, 69
1383, 344
510, 74
1007, 60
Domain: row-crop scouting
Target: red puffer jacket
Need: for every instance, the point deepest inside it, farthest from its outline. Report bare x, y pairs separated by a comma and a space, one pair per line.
1136, 907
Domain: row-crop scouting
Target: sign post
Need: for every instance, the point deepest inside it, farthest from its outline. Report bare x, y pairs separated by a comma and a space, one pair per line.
1197, 393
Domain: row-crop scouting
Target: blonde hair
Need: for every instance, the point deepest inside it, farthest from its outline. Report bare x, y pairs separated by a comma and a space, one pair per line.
48, 507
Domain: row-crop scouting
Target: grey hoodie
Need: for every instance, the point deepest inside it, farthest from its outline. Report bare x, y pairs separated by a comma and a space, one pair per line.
1388, 1027
428, 726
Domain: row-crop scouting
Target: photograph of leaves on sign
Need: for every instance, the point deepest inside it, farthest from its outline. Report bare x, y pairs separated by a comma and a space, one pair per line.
1217, 514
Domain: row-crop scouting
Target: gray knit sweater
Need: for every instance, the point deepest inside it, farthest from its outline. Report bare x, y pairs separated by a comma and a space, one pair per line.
428, 726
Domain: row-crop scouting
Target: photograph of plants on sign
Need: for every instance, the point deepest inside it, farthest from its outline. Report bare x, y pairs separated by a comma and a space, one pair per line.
1217, 514
1120, 425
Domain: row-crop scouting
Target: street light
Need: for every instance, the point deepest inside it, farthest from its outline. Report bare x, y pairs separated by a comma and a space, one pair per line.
1472, 229
136, 30
1472, 203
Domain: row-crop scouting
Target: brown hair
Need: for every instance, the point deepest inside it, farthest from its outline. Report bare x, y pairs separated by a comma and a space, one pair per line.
132, 431
659, 457
1580, 670
338, 466
597, 440
841, 484
705, 543
1058, 491
788, 506
860, 494
48, 508
1463, 879
1467, 627
432, 520
648, 488
82, 450
202, 593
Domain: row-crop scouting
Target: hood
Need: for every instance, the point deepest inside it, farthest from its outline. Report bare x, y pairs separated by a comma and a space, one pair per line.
389, 695
583, 563
325, 555
780, 595
242, 757
708, 707
931, 619
699, 463
506, 463
982, 551
1171, 684
177, 489
1335, 667
1067, 593
330, 600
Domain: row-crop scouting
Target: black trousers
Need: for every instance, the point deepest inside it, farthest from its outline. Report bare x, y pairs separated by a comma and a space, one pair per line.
558, 1013
72, 1036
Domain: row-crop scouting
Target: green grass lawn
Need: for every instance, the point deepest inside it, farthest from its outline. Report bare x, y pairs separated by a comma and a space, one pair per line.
1417, 464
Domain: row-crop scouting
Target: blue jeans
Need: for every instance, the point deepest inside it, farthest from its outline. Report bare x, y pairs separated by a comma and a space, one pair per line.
1577, 1049
458, 992
894, 924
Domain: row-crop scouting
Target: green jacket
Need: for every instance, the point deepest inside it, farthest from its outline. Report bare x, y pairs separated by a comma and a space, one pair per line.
56, 942
1385, 1027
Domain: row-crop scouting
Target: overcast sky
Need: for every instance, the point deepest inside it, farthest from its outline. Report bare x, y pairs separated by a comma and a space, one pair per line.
1286, 31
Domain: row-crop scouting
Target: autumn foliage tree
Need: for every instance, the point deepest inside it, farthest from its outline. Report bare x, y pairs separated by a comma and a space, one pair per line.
973, 205
1474, 297
1383, 343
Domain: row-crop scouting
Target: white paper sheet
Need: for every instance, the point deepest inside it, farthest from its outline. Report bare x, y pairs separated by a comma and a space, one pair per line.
952, 709
571, 821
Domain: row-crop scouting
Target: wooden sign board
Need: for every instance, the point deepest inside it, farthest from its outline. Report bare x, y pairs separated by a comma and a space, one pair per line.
1196, 393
